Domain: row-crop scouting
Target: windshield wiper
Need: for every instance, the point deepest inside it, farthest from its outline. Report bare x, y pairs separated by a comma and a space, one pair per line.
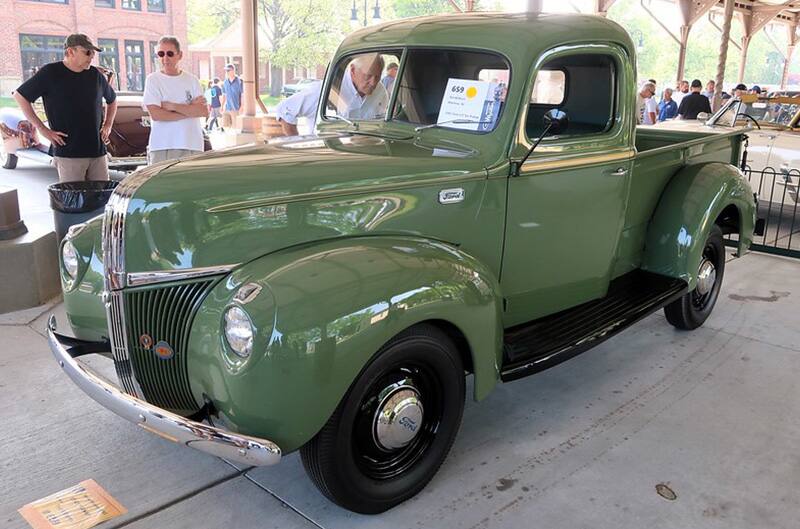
451, 121
340, 118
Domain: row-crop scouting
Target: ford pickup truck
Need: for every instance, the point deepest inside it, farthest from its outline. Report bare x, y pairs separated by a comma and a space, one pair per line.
496, 213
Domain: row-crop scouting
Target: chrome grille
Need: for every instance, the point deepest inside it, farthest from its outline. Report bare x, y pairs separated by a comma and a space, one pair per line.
119, 344
164, 314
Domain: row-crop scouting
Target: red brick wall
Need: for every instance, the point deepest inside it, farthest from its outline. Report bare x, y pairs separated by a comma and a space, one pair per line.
81, 16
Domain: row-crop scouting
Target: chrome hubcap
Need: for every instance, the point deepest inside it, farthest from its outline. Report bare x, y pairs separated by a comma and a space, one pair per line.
399, 416
706, 277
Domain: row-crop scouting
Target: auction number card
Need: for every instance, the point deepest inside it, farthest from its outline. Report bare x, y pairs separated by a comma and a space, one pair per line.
80, 507
475, 103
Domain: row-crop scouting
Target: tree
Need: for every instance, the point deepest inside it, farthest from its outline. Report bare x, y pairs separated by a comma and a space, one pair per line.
208, 18
300, 33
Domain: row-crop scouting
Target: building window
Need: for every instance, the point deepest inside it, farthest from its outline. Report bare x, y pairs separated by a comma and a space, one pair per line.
134, 65
109, 58
38, 50
157, 6
104, 3
154, 56
133, 5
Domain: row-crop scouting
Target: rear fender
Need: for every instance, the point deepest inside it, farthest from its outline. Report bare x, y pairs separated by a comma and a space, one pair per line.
321, 312
692, 201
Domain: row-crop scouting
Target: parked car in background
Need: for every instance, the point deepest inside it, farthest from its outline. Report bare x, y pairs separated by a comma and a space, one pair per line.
127, 147
297, 86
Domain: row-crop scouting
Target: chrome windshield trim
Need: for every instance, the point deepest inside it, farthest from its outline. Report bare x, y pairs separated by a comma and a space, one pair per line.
239, 448
136, 279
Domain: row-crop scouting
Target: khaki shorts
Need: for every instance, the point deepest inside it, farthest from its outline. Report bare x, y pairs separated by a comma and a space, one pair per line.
79, 169
229, 118
168, 154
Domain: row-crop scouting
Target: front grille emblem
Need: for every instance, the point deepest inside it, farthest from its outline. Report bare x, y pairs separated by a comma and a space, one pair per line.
163, 350
146, 341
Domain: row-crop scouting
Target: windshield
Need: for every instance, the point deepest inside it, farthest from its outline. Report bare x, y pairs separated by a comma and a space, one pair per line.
361, 86
778, 111
453, 88
456, 89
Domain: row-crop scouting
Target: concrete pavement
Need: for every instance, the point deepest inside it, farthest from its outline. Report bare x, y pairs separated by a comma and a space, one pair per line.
712, 415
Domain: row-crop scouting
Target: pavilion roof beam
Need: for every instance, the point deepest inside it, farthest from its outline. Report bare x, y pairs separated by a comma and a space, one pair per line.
601, 7
753, 21
713, 23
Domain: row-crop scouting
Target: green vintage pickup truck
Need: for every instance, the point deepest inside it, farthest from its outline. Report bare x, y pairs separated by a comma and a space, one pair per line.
493, 214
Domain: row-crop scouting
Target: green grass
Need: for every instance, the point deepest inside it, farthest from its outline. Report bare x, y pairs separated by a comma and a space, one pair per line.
8, 102
271, 101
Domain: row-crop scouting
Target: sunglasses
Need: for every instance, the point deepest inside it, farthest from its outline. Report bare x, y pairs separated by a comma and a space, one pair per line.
86, 52
168, 53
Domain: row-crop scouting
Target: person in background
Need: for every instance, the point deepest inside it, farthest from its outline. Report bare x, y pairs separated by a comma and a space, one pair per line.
73, 91
388, 79
683, 91
694, 103
740, 90
176, 104
214, 105
302, 104
667, 109
646, 105
756, 90
232, 89
710, 87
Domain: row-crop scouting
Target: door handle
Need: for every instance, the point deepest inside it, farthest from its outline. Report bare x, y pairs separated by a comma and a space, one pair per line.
619, 171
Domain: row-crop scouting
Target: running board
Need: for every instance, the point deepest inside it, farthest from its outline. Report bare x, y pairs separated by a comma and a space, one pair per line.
35, 155
539, 344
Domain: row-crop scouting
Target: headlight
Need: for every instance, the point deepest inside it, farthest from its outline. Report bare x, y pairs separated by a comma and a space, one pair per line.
239, 331
69, 258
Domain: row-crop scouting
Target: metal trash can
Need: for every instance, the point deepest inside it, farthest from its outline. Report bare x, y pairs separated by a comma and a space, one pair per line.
76, 202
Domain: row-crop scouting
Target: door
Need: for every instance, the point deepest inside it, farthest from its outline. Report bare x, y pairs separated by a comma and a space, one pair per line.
566, 206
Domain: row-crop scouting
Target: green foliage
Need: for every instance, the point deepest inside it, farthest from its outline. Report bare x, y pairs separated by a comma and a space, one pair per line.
415, 8
207, 18
659, 57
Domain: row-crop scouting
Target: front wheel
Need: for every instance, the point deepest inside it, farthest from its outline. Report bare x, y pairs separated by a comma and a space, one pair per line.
691, 311
394, 427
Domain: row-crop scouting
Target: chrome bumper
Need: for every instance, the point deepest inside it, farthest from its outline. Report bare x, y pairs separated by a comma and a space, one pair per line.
237, 448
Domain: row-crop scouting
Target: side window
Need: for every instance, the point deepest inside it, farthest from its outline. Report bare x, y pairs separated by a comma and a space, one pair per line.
582, 86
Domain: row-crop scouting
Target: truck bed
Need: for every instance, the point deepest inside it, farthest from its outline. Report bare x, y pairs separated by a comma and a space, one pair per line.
661, 152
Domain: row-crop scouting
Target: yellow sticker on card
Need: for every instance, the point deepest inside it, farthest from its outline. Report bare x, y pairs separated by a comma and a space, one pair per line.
80, 507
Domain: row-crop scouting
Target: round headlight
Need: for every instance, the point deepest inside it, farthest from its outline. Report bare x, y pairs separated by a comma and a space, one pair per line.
69, 258
239, 331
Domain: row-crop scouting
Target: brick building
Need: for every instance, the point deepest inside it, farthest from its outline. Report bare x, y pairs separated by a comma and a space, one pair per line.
32, 34
207, 59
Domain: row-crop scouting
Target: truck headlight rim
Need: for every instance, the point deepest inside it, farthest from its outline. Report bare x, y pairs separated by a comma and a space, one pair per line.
70, 261
239, 331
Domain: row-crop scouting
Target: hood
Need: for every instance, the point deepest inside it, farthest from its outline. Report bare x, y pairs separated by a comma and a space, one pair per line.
232, 206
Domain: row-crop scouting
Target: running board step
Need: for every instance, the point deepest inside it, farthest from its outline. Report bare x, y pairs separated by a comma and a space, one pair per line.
539, 344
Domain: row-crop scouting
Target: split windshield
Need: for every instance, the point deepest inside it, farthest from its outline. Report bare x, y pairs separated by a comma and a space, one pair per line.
456, 89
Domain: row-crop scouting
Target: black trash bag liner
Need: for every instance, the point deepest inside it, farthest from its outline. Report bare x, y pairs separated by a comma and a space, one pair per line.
80, 197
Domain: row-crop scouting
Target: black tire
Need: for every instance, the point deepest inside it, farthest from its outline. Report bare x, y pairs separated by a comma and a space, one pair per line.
691, 311
346, 460
9, 160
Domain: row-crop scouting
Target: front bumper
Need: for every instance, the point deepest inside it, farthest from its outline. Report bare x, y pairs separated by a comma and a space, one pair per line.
234, 447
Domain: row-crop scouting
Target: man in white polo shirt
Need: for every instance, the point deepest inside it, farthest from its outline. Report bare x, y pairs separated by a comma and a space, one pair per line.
176, 104
360, 96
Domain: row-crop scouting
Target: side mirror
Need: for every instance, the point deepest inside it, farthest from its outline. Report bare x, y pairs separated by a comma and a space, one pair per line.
556, 121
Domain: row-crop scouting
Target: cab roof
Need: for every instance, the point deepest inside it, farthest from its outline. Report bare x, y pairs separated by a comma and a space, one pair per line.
519, 36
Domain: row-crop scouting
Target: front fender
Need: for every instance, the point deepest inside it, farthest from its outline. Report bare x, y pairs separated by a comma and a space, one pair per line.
321, 313
691, 203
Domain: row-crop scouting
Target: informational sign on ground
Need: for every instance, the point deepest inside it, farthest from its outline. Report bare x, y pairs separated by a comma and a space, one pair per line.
80, 507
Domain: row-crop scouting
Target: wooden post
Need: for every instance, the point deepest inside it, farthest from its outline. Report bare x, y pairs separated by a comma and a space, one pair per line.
723, 54
248, 59
792, 40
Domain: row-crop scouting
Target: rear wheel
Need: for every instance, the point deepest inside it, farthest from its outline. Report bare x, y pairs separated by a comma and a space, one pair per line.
691, 311
394, 427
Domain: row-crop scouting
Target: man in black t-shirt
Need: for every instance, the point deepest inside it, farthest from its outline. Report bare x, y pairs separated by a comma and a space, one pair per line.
694, 103
73, 92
